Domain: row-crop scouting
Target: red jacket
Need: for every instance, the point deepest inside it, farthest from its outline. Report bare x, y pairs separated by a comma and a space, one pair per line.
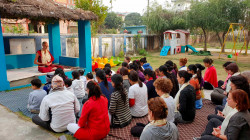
94, 121
211, 76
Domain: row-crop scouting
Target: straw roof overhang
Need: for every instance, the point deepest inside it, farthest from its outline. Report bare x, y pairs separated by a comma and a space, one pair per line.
41, 10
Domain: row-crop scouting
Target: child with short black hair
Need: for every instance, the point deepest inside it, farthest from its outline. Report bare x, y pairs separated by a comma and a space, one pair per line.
89, 77
68, 83
82, 77
78, 85
36, 96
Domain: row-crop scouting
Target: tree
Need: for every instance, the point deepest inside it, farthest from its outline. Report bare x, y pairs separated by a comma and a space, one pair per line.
246, 21
97, 7
159, 19
200, 16
224, 13
133, 19
112, 21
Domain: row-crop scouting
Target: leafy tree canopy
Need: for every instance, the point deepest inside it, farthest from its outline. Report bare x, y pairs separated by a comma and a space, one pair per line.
133, 19
113, 21
97, 7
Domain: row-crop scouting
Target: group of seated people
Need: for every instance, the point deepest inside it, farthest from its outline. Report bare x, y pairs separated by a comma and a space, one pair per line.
231, 119
167, 96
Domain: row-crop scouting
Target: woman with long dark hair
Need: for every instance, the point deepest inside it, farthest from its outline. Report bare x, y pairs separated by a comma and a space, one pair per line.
137, 95
106, 87
136, 67
165, 72
94, 120
185, 99
150, 77
119, 104
195, 82
124, 72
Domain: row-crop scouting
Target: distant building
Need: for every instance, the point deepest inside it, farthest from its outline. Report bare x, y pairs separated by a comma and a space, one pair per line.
123, 15
135, 30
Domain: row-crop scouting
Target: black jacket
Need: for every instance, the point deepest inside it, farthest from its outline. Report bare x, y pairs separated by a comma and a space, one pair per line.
151, 89
187, 103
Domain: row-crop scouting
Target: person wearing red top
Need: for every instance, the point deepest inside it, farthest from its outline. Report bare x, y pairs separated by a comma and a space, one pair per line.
210, 76
94, 121
44, 60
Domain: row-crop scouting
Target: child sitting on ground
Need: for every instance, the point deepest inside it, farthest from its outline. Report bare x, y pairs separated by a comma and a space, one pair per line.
78, 85
36, 96
82, 77
89, 77
47, 86
68, 83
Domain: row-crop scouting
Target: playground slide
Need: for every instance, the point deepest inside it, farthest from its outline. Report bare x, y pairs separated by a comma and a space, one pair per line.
164, 51
192, 48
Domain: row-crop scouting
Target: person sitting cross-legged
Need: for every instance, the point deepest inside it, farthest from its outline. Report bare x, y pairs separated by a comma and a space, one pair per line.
120, 115
137, 96
184, 99
57, 109
236, 125
94, 121
159, 128
36, 96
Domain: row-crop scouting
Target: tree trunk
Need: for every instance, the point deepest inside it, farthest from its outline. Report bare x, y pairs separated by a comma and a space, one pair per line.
223, 39
205, 39
248, 40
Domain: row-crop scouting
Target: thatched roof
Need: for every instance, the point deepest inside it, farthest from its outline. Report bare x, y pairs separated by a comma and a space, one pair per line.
41, 10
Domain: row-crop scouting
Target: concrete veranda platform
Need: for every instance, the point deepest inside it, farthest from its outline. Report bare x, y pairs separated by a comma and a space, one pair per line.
14, 128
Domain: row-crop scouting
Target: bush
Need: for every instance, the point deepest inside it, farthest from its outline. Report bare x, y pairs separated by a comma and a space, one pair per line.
143, 52
121, 54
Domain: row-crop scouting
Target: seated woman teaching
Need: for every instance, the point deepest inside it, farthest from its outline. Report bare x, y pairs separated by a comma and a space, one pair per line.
44, 60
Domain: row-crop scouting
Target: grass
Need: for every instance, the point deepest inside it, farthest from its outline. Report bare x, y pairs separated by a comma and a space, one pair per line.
156, 61
229, 45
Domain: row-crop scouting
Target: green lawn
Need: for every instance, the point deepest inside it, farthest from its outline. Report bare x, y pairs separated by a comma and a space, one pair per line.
229, 45
156, 61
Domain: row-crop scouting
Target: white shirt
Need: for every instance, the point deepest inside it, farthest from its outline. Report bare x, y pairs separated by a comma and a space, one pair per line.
70, 89
183, 68
140, 94
84, 79
113, 73
79, 88
63, 105
171, 107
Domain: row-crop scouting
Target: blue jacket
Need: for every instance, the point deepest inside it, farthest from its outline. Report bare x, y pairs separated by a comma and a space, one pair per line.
146, 66
105, 91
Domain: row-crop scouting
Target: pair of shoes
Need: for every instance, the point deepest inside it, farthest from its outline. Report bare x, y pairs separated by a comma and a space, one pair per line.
196, 138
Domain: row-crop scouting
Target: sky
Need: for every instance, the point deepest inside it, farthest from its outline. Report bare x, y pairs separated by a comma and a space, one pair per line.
139, 6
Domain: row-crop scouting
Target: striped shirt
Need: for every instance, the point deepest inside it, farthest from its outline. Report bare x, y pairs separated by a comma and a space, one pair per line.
119, 110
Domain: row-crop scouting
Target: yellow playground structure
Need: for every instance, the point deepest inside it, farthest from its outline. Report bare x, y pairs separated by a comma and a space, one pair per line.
235, 39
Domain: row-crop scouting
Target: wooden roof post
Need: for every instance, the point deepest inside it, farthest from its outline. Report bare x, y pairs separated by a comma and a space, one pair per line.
84, 36
4, 83
54, 40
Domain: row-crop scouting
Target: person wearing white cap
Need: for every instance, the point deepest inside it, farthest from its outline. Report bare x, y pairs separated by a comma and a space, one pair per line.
57, 109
